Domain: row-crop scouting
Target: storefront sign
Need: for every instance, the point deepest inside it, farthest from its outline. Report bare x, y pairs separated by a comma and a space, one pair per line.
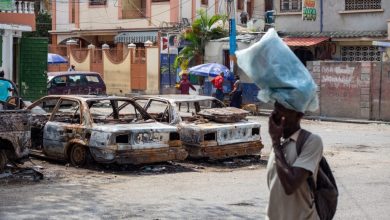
309, 11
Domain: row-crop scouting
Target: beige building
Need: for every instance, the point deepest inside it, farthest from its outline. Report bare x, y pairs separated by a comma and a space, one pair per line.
122, 21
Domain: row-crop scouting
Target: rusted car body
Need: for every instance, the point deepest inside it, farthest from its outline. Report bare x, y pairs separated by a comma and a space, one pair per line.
110, 129
204, 137
14, 128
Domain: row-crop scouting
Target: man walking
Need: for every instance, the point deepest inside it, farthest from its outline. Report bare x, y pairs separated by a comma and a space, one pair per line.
287, 173
218, 84
289, 85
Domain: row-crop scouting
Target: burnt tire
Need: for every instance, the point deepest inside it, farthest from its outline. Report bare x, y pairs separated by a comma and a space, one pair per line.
78, 155
3, 160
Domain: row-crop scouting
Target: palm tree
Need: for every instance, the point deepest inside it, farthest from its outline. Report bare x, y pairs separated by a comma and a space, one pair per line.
202, 30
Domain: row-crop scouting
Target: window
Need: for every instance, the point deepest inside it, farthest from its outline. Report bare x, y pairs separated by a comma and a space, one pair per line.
133, 9
290, 5
360, 53
45, 106
205, 2
68, 112
362, 4
97, 2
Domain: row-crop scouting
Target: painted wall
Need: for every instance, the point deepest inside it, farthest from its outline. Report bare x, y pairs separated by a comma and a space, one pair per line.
83, 66
160, 12
117, 76
62, 16
335, 18
353, 87
152, 70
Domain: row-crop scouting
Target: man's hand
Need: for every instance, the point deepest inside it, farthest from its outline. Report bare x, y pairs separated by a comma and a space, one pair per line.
275, 130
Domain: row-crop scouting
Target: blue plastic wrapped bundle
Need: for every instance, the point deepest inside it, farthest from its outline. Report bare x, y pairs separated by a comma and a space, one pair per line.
279, 73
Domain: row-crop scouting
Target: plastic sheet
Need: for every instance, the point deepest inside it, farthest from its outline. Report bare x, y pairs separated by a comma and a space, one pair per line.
279, 73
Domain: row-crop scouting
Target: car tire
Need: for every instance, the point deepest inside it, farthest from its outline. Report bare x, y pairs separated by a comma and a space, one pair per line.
3, 160
78, 155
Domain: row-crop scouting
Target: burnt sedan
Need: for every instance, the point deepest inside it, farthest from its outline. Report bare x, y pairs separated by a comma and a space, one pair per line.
106, 129
207, 127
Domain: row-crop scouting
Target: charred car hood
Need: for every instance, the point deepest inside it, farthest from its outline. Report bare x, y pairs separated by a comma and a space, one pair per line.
215, 125
151, 126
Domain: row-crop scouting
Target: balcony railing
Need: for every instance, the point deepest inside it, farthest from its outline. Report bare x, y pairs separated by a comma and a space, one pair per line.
22, 7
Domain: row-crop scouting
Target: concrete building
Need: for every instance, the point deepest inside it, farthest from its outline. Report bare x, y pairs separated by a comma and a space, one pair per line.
120, 21
15, 17
341, 30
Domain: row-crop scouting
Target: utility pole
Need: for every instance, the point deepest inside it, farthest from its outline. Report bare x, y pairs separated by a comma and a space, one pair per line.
231, 12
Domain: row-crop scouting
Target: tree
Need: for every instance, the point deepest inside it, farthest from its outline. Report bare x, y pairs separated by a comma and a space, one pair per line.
202, 30
43, 25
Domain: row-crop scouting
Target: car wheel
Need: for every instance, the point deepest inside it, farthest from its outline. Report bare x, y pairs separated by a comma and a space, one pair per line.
3, 160
78, 155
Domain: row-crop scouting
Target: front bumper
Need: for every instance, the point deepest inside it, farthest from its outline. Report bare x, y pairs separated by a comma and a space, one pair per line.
224, 151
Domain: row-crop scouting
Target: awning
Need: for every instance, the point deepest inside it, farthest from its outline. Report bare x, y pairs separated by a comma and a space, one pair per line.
136, 37
304, 41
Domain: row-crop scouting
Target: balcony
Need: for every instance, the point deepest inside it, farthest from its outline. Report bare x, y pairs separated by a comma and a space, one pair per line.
22, 13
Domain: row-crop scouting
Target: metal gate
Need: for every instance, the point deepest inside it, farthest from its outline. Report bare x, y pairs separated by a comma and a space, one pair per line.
33, 68
138, 69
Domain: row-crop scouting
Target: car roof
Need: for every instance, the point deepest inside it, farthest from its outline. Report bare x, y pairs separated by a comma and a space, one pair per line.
71, 73
175, 98
87, 98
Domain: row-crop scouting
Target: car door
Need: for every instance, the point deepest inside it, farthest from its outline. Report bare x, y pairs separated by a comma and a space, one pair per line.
41, 111
65, 124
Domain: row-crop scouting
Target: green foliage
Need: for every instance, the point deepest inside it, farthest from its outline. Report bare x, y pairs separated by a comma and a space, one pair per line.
43, 25
203, 29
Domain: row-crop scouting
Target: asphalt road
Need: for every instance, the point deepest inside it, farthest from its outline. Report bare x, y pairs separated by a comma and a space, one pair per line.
231, 189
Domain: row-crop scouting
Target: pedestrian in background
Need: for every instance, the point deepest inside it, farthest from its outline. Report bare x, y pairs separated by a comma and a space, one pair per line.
236, 93
6, 88
184, 87
71, 68
218, 84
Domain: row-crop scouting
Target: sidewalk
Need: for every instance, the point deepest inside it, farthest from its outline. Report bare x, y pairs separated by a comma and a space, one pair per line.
266, 112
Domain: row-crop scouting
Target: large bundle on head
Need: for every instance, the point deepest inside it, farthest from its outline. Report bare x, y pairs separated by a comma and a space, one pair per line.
279, 73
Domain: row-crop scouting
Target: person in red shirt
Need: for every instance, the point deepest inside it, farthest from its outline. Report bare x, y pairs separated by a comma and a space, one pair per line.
184, 87
218, 84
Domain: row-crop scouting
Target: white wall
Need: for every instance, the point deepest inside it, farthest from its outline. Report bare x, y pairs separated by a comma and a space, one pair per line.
62, 16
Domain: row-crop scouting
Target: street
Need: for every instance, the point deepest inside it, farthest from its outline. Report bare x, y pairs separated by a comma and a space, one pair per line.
230, 189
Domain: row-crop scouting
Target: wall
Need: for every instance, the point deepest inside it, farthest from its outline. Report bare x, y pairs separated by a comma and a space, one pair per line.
335, 19
351, 89
62, 16
117, 76
160, 12
152, 70
81, 66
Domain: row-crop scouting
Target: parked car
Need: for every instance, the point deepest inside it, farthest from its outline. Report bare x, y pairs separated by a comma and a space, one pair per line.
75, 83
110, 129
14, 126
213, 138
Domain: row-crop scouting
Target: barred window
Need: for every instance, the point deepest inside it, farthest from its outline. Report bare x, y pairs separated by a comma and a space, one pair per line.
290, 5
204, 2
362, 4
360, 53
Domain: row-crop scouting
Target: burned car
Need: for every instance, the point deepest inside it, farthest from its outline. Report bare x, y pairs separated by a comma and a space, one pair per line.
14, 125
207, 127
108, 129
